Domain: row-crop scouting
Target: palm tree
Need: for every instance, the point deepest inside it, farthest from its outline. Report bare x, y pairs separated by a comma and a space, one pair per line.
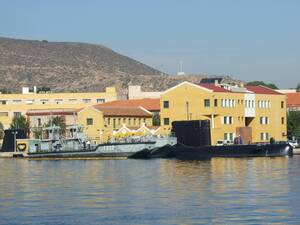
20, 122
57, 121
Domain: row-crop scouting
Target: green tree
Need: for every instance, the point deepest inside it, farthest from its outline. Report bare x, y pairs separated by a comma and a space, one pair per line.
43, 89
156, 119
293, 124
20, 122
298, 87
57, 121
256, 83
1, 130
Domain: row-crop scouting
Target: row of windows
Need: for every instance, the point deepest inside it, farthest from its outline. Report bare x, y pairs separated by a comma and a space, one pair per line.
15, 114
228, 103
231, 103
57, 101
229, 120
264, 104
117, 121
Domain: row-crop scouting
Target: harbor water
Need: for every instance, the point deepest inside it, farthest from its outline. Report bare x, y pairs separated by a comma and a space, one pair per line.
160, 191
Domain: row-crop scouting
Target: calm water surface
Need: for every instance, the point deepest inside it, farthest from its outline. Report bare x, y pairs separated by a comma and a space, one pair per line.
217, 191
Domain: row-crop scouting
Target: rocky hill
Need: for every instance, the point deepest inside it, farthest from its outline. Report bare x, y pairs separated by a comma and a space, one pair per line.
75, 67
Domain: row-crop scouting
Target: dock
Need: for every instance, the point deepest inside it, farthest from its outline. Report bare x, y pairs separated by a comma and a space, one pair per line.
12, 155
296, 151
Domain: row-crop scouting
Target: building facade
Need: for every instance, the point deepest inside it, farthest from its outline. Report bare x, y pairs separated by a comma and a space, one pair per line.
255, 113
100, 123
18, 104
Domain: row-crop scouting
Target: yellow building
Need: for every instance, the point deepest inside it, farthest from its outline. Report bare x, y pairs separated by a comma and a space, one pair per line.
255, 113
18, 104
101, 122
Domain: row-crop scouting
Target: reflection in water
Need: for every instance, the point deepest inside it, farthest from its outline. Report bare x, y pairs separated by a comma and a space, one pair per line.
216, 191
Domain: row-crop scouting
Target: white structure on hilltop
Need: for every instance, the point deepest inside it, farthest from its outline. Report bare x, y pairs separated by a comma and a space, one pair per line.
180, 72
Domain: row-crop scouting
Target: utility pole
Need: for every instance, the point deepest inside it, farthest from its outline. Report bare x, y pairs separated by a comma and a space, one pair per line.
15, 140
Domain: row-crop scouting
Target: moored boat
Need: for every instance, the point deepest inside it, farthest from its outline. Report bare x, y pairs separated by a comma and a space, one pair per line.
78, 146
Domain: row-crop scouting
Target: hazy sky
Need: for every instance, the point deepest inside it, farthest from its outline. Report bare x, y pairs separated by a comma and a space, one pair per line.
249, 40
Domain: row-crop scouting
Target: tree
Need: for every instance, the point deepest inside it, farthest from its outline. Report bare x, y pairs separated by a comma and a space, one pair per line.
298, 87
293, 124
256, 83
57, 121
156, 120
43, 89
20, 122
1, 130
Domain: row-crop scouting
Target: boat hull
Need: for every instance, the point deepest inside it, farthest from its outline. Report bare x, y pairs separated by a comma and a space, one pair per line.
269, 150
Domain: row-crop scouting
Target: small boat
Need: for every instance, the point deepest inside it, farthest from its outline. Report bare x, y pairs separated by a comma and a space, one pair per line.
78, 146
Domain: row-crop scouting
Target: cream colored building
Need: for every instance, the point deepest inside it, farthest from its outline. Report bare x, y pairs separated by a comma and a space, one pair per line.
18, 104
135, 92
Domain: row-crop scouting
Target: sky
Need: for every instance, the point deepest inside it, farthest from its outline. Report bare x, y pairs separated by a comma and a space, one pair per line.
248, 40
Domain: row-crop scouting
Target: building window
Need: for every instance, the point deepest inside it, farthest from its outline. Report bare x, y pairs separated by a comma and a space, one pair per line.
264, 136
89, 121
86, 100
44, 101
119, 121
228, 136
216, 103
39, 121
4, 114
114, 123
206, 103
100, 100
3, 102
166, 104
129, 121
264, 120
58, 101
108, 121
166, 121
17, 114
227, 120
134, 121
282, 104
73, 100
282, 120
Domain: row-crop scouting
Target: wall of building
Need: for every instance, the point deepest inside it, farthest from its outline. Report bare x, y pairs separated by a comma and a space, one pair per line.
135, 92
93, 124
232, 113
21, 103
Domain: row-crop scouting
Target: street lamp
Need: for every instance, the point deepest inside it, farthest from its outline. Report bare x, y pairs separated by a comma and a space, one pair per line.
15, 140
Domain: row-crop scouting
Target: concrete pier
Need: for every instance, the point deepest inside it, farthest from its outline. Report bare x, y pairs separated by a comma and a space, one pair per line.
12, 155
296, 151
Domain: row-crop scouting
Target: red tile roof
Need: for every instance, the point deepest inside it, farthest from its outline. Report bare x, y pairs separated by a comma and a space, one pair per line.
214, 88
147, 103
293, 99
123, 111
54, 112
262, 90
